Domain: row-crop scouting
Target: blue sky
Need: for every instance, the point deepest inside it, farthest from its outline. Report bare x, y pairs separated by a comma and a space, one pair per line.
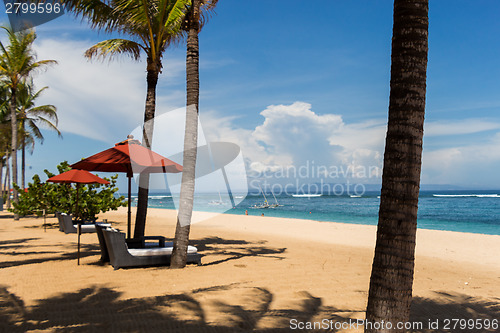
293, 84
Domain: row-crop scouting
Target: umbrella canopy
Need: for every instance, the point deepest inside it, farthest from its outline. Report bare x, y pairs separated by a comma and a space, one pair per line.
77, 176
130, 157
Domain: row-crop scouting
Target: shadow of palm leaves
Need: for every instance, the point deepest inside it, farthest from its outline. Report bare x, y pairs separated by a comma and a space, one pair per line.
61, 252
235, 249
98, 309
447, 306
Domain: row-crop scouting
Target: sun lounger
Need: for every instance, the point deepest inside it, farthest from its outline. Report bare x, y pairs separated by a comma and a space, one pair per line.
70, 228
131, 242
59, 219
121, 256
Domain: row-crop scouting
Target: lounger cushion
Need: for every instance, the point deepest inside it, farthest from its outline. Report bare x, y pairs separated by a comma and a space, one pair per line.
157, 251
90, 227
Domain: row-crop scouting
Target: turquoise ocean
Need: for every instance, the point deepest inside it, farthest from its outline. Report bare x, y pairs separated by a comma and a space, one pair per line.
462, 211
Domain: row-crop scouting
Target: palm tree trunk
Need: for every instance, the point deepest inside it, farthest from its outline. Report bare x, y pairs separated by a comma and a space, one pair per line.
147, 141
181, 241
393, 265
7, 181
23, 159
13, 121
1, 187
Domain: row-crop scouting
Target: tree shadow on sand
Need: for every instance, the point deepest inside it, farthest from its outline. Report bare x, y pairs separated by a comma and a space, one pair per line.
224, 308
59, 252
229, 308
234, 249
445, 307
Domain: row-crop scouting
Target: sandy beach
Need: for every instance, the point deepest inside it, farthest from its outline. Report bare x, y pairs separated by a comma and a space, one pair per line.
258, 274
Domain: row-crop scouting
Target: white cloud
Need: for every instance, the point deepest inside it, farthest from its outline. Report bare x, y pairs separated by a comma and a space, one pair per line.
459, 127
100, 100
294, 136
473, 164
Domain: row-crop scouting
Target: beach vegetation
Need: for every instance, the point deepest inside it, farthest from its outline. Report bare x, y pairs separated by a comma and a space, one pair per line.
391, 281
93, 199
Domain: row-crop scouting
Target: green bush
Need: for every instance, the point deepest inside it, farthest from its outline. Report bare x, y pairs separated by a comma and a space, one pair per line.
92, 198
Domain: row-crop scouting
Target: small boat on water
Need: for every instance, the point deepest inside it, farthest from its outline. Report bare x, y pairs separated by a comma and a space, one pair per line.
276, 203
266, 204
306, 195
217, 202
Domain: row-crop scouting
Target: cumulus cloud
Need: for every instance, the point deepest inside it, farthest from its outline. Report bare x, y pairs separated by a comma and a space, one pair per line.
294, 136
291, 136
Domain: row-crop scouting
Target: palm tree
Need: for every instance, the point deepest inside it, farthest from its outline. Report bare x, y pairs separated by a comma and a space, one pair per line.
152, 26
4, 136
17, 63
193, 23
30, 117
393, 265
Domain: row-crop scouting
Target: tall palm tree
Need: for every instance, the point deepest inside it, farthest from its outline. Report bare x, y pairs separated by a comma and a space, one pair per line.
17, 63
193, 23
393, 265
152, 25
4, 135
30, 117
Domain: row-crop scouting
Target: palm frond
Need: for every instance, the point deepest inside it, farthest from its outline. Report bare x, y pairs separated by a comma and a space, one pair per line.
171, 18
47, 111
112, 47
100, 13
207, 11
34, 131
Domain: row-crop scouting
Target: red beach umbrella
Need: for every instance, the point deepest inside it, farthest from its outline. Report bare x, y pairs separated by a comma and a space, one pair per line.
130, 157
78, 177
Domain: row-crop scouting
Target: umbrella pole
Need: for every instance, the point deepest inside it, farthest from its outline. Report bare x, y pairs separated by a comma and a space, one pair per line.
79, 225
129, 213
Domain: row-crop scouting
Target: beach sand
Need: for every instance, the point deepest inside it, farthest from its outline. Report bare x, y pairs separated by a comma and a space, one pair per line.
258, 274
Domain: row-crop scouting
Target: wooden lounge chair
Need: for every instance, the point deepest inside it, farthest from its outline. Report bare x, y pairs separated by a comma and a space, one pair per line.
121, 256
70, 228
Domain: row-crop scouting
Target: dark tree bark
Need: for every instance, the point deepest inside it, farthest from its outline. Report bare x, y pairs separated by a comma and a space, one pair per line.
391, 280
147, 141
179, 255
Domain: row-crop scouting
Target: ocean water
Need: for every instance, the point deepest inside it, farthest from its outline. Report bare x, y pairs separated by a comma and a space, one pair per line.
463, 211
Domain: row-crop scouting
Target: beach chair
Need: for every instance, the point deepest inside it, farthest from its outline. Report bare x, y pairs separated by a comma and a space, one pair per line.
59, 219
131, 242
121, 256
70, 228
